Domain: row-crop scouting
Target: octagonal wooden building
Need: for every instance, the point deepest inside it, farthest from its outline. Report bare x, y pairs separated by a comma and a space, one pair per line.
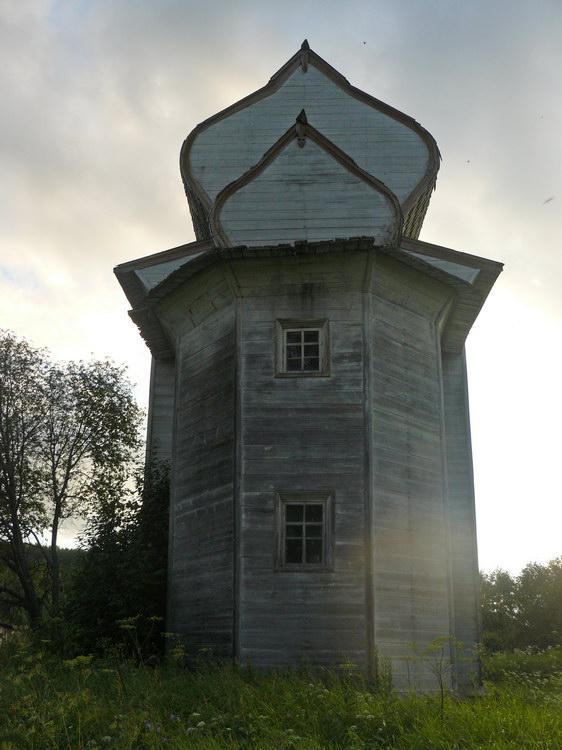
309, 386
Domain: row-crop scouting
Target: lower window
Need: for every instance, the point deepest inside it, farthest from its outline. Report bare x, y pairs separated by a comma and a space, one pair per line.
304, 531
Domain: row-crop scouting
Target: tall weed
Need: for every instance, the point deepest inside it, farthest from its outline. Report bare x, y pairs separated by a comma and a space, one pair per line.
48, 703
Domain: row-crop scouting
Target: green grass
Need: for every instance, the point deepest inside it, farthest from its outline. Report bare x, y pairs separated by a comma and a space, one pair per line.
46, 702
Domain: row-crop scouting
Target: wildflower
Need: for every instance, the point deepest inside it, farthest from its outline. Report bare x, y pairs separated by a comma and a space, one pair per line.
201, 724
79, 661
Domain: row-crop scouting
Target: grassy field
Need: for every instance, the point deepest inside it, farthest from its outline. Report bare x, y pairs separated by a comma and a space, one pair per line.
46, 702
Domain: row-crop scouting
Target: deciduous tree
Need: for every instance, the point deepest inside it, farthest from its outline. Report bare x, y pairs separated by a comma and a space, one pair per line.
523, 610
68, 432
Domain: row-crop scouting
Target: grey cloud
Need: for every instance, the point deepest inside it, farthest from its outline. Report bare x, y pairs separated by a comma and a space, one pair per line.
100, 95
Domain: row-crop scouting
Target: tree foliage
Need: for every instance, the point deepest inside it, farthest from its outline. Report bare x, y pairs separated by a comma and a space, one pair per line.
525, 610
68, 433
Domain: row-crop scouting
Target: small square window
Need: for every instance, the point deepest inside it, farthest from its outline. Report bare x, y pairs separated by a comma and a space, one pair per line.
302, 348
304, 531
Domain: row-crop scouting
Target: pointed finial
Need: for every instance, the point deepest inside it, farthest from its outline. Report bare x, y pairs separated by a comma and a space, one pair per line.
300, 127
304, 55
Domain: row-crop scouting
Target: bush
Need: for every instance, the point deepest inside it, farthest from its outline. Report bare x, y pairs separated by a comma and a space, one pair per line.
122, 578
505, 667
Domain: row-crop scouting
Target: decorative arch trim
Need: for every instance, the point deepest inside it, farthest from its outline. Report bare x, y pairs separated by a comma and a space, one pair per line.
301, 131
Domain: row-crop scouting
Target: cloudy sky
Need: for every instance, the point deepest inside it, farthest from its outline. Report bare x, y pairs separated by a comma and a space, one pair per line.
98, 95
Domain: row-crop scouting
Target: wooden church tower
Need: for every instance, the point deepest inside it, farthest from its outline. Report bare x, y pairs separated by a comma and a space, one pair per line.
309, 385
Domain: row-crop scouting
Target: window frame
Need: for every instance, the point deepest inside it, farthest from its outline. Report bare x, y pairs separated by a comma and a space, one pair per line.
324, 498
282, 327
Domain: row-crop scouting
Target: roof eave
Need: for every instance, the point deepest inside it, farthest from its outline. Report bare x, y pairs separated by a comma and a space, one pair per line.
130, 282
468, 297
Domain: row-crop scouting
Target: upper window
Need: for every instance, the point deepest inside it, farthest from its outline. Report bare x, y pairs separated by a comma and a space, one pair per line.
302, 348
304, 531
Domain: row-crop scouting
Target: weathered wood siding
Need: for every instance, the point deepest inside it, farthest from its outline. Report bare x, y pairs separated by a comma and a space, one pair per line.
410, 532
202, 509
306, 194
188, 306
386, 433
161, 410
464, 562
302, 434
380, 145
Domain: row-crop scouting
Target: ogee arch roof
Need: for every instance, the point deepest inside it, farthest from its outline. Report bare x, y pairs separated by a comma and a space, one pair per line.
383, 142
